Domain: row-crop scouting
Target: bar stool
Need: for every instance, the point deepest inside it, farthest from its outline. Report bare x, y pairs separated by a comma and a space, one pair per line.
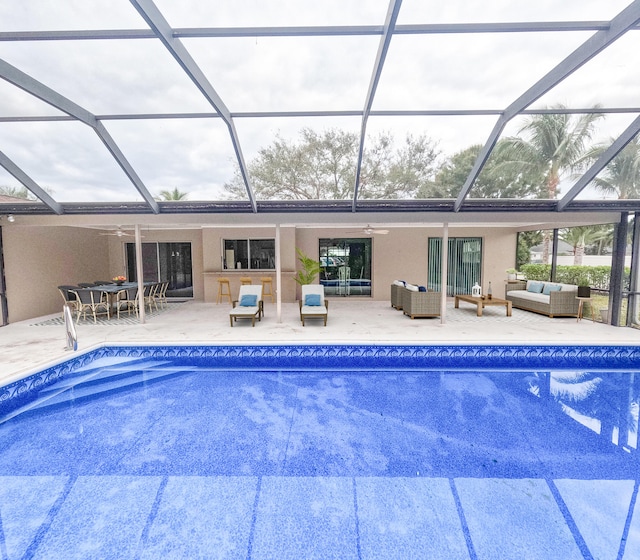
245, 280
224, 289
267, 287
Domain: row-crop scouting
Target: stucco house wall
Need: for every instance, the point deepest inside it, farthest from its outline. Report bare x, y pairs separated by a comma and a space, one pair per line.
39, 258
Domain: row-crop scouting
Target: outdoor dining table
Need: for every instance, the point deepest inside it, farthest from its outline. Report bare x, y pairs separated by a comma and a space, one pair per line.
112, 290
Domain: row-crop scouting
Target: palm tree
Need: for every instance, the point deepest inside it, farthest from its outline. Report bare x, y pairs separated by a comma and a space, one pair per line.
621, 177
555, 145
175, 194
579, 237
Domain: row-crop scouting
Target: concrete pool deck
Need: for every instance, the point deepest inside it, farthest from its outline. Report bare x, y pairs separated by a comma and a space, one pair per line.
27, 346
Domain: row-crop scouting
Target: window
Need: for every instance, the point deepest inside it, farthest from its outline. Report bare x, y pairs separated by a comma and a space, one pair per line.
249, 253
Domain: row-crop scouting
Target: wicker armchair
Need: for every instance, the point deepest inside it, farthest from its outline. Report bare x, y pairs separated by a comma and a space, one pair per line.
421, 304
396, 296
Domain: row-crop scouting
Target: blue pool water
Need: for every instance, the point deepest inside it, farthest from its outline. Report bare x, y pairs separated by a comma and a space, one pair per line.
324, 452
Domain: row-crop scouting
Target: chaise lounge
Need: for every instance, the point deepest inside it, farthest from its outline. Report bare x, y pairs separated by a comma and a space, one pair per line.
248, 305
313, 305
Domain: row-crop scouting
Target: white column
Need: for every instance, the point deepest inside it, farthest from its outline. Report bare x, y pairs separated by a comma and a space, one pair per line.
278, 277
443, 279
139, 274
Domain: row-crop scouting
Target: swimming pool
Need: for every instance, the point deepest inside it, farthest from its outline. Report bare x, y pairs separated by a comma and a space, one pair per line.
349, 451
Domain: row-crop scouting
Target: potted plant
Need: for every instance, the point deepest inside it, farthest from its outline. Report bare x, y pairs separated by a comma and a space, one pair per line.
512, 274
310, 269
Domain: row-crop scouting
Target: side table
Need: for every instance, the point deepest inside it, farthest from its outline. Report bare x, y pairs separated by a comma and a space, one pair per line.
581, 301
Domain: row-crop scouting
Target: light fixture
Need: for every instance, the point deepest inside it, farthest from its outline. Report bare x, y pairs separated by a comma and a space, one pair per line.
10, 218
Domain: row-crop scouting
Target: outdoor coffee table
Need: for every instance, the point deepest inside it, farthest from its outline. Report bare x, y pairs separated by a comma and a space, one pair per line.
481, 303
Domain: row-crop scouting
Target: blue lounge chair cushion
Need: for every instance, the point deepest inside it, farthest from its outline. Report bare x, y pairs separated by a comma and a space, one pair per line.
312, 300
248, 300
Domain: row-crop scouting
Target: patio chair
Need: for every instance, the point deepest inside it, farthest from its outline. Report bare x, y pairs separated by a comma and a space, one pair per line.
421, 304
69, 297
249, 304
93, 301
126, 300
150, 300
313, 305
161, 293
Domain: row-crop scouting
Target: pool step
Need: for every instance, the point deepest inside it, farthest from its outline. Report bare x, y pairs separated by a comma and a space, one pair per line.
105, 379
102, 371
111, 383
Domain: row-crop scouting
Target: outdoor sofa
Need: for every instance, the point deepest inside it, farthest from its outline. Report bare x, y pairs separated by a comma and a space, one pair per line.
548, 298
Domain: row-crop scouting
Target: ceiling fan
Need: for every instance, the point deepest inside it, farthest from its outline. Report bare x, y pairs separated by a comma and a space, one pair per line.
119, 233
368, 230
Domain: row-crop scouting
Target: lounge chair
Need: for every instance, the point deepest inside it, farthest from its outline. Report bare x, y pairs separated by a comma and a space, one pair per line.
248, 305
313, 305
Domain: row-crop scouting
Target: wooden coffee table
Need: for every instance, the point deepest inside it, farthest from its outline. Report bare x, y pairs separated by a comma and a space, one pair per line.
481, 303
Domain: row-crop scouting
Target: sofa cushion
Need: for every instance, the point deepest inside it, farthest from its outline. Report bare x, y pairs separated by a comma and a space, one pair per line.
548, 288
525, 295
535, 287
412, 287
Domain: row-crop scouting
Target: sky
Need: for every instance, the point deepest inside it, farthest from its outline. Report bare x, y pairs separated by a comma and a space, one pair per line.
269, 74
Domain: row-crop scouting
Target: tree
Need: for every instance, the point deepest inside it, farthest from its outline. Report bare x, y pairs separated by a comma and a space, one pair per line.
526, 240
323, 166
17, 192
493, 181
621, 178
579, 237
175, 194
554, 145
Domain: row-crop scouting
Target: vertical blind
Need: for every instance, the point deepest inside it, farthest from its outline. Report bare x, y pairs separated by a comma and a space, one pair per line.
463, 263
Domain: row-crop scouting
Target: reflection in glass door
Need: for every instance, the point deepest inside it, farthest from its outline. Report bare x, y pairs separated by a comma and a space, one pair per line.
164, 262
464, 264
346, 266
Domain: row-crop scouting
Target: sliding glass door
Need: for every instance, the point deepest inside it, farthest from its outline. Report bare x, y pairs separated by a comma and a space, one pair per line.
346, 266
164, 262
464, 264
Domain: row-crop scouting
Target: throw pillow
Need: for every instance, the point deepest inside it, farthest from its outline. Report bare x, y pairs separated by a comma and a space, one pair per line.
422, 288
312, 300
535, 287
249, 300
412, 287
548, 288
